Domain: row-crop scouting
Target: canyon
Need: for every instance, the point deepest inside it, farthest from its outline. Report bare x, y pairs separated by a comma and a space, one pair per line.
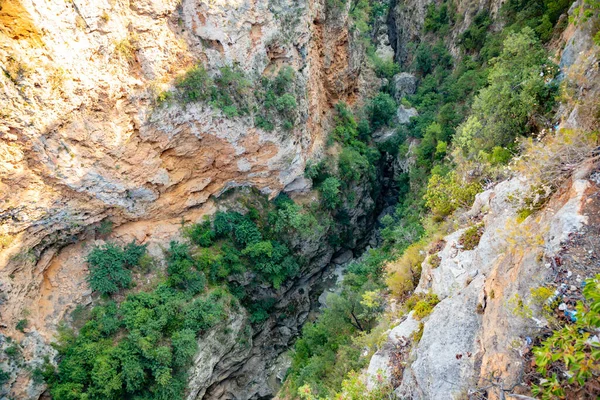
89, 154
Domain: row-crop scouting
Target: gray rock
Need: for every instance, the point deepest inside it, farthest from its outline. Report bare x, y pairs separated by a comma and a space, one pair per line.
379, 366
298, 185
445, 356
404, 114
404, 84
343, 257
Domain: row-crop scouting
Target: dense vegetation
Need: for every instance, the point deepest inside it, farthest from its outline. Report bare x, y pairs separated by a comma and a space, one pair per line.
142, 346
267, 100
472, 111
569, 360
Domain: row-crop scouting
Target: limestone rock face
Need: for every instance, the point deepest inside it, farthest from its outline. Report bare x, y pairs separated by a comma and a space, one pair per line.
83, 143
82, 140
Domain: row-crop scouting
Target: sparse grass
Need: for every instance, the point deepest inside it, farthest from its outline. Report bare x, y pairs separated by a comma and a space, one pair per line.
125, 49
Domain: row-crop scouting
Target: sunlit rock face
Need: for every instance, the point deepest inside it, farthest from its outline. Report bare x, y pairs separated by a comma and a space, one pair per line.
82, 139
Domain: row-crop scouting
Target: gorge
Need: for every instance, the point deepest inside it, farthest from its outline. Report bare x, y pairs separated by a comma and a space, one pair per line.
182, 180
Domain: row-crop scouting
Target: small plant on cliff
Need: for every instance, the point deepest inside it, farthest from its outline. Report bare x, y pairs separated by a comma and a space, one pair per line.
21, 325
569, 360
424, 307
470, 238
435, 260
109, 266
4, 376
447, 193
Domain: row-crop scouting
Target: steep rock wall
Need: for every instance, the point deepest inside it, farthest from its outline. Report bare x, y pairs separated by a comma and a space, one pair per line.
476, 339
82, 141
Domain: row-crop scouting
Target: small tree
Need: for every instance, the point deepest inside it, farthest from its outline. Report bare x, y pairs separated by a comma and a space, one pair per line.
330, 191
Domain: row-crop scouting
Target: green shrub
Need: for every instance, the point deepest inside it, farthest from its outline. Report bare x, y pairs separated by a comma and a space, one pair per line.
330, 192
4, 377
447, 193
182, 269
21, 325
568, 361
352, 165
201, 234
382, 110
435, 260
470, 238
424, 306
438, 19
13, 352
109, 266
473, 39
141, 348
194, 85
517, 98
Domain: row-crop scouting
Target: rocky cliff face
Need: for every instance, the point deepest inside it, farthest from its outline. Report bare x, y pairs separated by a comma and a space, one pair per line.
477, 339
406, 18
83, 141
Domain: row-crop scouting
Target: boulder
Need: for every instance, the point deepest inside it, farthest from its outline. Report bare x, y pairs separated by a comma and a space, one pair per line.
404, 83
404, 114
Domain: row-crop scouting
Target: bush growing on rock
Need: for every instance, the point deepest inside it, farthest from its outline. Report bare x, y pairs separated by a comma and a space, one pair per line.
110, 266
447, 193
569, 360
330, 190
469, 240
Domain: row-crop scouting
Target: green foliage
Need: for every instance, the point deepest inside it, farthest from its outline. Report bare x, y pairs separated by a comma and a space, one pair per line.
109, 266
325, 354
439, 19
425, 306
21, 325
384, 68
141, 348
353, 165
4, 377
330, 192
447, 193
381, 110
519, 95
568, 360
231, 91
195, 85
201, 234
278, 100
182, 269
293, 219
473, 39
470, 237
13, 352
